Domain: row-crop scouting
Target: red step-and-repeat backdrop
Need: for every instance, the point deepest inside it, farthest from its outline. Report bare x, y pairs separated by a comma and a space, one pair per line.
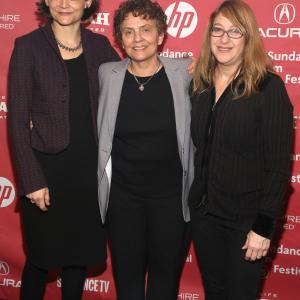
279, 24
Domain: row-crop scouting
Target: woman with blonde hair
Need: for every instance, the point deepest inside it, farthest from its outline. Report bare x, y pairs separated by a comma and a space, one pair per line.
242, 129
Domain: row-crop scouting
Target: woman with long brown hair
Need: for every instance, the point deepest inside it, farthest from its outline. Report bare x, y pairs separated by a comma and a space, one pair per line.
53, 91
242, 129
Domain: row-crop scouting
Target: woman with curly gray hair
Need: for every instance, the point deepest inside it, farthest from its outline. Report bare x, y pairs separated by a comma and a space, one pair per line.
145, 156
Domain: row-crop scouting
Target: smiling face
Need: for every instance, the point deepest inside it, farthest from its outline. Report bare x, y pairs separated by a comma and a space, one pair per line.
140, 38
67, 12
227, 51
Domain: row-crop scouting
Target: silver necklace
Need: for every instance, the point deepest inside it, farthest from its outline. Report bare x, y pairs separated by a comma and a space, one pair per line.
142, 84
70, 49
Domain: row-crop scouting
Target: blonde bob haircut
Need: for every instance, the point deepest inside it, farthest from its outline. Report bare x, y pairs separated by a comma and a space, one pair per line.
255, 63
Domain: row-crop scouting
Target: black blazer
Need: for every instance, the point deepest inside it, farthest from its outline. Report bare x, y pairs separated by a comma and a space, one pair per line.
249, 158
39, 92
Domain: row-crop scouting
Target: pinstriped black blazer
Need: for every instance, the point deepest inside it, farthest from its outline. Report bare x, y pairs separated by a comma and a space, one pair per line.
249, 165
39, 92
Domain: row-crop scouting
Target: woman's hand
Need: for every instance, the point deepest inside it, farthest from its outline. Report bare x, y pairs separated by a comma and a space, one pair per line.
256, 245
40, 198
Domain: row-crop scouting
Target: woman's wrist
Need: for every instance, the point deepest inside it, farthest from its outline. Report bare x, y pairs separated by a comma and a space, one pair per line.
264, 226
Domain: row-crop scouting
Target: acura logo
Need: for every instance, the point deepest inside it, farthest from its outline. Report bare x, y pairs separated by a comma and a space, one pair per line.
4, 268
284, 13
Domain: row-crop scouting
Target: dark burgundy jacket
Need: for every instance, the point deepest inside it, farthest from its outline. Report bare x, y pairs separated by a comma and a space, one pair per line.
39, 92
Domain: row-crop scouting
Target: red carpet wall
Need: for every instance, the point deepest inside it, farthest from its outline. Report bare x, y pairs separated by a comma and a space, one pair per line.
279, 23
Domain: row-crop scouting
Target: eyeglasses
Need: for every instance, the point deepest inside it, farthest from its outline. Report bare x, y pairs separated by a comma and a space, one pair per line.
234, 33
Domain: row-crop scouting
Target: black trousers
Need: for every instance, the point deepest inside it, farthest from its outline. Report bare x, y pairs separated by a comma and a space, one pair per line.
226, 275
34, 280
146, 236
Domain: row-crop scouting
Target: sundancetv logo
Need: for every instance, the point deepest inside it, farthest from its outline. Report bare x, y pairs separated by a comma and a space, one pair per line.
92, 285
182, 19
7, 192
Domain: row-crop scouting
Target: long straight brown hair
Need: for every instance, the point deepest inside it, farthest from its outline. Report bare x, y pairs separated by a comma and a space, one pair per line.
255, 63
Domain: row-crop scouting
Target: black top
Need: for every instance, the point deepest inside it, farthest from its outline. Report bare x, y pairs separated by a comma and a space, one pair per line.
70, 232
145, 154
249, 154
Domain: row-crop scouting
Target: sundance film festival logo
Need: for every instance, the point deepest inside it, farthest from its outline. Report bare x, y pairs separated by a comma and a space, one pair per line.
7, 192
4, 268
284, 13
182, 19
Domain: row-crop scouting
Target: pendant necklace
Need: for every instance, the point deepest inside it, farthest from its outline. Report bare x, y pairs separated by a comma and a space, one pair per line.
70, 49
142, 84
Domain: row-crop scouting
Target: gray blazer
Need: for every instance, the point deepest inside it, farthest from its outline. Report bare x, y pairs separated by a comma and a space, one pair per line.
111, 78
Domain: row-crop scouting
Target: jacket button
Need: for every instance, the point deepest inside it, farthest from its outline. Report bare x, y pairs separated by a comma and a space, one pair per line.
185, 173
